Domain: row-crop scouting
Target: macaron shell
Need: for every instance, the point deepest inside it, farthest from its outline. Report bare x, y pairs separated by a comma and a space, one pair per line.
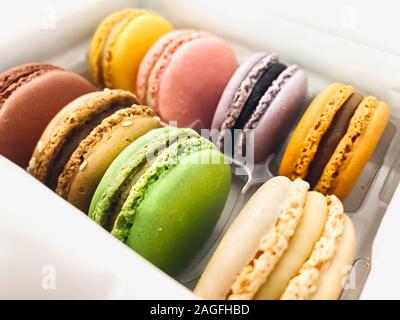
332, 279
153, 87
150, 60
28, 110
190, 92
279, 117
232, 87
240, 243
98, 41
363, 151
163, 223
300, 247
13, 78
85, 181
125, 53
309, 119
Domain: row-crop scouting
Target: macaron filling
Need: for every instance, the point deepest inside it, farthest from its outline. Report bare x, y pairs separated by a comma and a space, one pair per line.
98, 44
245, 89
104, 49
307, 233
257, 93
347, 145
105, 77
264, 103
253, 98
73, 140
123, 194
314, 136
119, 162
15, 78
304, 284
332, 137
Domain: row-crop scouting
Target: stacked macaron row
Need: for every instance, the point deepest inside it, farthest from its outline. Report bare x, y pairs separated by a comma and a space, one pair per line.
107, 154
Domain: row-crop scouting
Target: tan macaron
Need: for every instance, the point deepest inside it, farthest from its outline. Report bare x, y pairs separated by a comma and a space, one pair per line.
287, 243
84, 138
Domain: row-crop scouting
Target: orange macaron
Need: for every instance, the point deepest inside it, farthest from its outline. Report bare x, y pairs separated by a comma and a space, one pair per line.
334, 139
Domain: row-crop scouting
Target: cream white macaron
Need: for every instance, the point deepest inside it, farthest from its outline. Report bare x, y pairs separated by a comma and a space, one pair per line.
287, 243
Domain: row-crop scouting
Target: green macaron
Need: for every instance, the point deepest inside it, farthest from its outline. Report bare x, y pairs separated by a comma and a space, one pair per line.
163, 195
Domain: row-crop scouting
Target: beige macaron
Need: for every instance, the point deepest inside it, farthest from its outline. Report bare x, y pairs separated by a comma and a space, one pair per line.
286, 243
84, 138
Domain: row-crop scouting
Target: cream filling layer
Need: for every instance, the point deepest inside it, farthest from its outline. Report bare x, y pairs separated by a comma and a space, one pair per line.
304, 285
345, 149
265, 103
315, 134
272, 245
106, 57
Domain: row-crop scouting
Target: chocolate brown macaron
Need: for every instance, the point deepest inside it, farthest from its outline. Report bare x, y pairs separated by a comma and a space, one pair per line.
84, 138
30, 96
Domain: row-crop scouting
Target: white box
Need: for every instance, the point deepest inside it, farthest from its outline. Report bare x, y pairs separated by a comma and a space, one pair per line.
43, 238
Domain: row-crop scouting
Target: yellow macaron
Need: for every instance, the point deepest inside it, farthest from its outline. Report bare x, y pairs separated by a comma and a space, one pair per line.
119, 44
335, 139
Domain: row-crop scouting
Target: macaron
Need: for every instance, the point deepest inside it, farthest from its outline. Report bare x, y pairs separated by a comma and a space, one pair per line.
163, 195
119, 44
30, 95
264, 97
286, 243
183, 76
334, 139
84, 138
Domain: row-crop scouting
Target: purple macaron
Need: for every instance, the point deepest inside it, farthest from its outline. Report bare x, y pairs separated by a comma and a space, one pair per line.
263, 98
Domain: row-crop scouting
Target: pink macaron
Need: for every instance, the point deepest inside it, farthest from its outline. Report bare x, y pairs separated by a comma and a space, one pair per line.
183, 75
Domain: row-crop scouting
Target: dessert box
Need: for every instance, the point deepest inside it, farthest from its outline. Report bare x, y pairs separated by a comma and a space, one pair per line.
51, 250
